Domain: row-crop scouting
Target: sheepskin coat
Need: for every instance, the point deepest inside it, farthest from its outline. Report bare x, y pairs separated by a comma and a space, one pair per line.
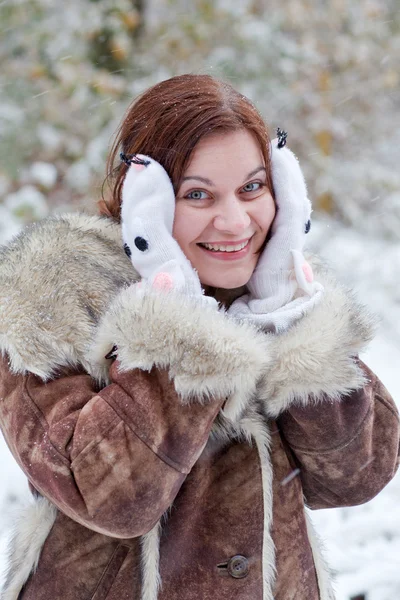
173, 453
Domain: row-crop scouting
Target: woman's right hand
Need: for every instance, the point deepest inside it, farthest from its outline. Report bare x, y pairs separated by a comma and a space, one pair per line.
147, 216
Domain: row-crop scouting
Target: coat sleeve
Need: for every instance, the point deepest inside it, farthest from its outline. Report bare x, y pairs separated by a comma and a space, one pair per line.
346, 450
113, 460
113, 457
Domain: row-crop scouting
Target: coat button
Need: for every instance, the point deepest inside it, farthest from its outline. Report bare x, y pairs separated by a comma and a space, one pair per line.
238, 567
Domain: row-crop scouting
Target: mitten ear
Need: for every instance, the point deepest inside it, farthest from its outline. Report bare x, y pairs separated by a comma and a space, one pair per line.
289, 185
303, 272
282, 137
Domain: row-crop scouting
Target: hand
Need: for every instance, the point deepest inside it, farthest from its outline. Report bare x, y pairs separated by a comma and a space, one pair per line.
147, 216
282, 286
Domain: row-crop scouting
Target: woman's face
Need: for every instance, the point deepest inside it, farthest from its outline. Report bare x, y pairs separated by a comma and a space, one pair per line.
224, 209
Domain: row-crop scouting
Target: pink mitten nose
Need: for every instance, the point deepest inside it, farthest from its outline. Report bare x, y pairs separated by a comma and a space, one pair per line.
163, 281
308, 273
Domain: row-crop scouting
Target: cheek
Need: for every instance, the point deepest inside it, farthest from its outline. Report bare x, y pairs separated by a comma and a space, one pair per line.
186, 226
264, 213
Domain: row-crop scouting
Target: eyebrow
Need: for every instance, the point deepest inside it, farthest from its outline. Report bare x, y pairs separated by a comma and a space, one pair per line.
210, 183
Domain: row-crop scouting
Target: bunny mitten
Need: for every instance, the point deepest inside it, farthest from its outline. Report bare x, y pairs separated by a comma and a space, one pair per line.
147, 216
282, 287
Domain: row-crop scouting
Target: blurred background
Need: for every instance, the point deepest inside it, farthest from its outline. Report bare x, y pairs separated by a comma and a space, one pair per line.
326, 72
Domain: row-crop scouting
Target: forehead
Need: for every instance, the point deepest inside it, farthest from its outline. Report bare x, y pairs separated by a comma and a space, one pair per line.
238, 151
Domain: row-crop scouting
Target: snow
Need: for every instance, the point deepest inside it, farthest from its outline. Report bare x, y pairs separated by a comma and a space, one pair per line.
9, 225
78, 175
49, 138
44, 174
362, 543
14, 491
27, 202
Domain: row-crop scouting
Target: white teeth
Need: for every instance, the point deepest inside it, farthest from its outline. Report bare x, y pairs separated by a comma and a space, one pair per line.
229, 248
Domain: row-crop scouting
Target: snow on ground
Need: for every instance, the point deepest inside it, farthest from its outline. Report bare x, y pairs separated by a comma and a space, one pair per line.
362, 543
13, 492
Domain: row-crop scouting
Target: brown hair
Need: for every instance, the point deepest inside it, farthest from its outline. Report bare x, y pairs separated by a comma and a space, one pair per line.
167, 121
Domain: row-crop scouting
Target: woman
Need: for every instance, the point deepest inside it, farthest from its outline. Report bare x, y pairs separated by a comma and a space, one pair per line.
171, 442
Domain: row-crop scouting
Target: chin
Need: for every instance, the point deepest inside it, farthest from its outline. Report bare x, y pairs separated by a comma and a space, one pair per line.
226, 283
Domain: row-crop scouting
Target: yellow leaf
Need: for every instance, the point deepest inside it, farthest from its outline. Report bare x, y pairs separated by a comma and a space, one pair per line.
391, 78
118, 52
326, 203
131, 19
324, 80
37, 72
324, 141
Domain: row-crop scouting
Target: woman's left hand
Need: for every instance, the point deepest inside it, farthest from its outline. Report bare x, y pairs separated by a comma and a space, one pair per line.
282, 286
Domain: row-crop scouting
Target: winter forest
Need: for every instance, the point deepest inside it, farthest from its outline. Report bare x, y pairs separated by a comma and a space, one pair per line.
326, 72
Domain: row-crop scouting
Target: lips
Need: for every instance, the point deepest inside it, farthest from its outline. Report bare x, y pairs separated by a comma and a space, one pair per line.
228, 255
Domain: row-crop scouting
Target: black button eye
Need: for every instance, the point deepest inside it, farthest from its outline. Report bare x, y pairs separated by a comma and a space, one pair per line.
127, 250
141, 244
308, 226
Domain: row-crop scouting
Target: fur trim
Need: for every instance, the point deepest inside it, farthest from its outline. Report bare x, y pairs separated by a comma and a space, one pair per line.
57, 278
151, 580
207, 353
81, 292
257, 429
324, 575
31, 528
316, 358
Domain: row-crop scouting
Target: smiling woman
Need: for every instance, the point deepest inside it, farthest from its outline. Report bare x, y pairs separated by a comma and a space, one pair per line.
172, 443
199, 127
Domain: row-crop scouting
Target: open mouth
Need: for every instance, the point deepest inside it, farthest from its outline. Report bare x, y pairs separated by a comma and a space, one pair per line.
225, 247
226, 251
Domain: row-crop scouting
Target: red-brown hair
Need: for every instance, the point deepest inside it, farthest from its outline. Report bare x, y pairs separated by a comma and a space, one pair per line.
167, 121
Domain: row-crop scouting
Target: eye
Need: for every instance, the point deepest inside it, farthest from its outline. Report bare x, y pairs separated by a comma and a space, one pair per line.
141, 244
197, 195
253, 186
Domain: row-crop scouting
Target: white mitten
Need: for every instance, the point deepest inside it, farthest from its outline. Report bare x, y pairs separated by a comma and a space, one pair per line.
147, 216
282, 287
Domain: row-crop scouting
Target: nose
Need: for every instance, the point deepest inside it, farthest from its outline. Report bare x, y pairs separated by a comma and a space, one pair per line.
232, 217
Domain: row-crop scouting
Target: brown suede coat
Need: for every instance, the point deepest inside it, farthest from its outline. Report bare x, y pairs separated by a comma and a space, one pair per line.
176, 438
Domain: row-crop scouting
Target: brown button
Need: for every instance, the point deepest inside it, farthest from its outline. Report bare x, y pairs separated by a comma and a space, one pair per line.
238, 567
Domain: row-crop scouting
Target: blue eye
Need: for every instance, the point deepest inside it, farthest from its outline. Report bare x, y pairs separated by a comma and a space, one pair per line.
254, 186
197, 195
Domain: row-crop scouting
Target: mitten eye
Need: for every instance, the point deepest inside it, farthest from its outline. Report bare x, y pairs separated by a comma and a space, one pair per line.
141, 244
127, 250
308, 226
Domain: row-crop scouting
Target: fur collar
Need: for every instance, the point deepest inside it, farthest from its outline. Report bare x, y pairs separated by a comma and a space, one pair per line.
66, 299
